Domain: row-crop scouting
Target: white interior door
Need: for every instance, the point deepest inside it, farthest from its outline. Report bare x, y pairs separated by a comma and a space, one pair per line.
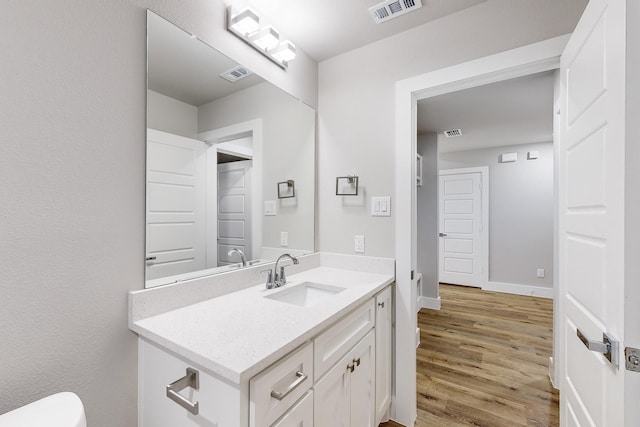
234, 210
175, 204
591, 216
463, 228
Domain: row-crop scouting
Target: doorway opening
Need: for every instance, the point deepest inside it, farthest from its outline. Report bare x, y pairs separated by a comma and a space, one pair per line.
539, 57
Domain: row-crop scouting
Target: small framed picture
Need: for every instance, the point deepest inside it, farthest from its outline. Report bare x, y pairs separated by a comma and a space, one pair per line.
347, 186
286, 189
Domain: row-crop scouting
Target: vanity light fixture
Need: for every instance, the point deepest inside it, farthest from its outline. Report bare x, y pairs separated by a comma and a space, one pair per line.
245, 22
246, 25
266, 39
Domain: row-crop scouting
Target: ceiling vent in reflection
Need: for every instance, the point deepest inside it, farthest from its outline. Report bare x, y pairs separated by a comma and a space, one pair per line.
393, 8
452, 132
236, 73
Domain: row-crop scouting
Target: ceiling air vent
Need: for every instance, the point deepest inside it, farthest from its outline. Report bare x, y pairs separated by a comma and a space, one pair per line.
393, 8
452, 132
236, 73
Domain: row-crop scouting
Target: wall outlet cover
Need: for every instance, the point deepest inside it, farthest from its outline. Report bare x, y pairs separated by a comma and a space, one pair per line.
540, 273
284, 238
359, 244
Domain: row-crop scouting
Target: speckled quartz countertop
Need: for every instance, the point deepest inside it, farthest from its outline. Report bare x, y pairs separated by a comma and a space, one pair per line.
238, 334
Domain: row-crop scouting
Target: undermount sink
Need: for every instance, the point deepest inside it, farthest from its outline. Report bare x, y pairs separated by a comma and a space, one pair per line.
306, 294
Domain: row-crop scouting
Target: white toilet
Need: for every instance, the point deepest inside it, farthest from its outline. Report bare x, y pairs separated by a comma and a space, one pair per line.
57, 410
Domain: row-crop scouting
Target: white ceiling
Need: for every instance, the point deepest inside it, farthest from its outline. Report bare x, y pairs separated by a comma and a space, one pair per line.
517, 111
326, 28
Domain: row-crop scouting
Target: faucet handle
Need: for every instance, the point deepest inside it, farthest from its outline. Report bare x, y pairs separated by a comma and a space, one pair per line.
270, 284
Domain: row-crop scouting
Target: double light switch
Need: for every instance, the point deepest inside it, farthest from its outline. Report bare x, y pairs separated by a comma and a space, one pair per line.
381, 206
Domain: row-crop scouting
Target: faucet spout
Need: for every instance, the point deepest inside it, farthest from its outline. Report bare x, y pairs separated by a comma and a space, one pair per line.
243, 259
279, 278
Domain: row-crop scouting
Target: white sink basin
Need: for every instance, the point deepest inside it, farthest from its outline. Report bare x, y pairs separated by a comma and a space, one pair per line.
306, 294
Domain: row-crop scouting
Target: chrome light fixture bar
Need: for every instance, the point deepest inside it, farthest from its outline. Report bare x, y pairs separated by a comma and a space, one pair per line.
246, 26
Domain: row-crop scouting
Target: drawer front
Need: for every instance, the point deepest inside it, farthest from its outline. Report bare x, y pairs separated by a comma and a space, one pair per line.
333, 344
274, 390
301, 415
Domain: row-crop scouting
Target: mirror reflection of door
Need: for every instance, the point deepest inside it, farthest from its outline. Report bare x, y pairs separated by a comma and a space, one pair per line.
234, 208
176, 200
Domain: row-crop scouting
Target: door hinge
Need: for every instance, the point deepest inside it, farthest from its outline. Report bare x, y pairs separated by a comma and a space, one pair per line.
632, 359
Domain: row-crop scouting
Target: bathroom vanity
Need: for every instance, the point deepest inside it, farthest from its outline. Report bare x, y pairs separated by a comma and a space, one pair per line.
315, 352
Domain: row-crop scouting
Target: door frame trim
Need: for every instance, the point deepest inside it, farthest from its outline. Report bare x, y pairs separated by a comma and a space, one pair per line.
248, 128
529, 59
484, 198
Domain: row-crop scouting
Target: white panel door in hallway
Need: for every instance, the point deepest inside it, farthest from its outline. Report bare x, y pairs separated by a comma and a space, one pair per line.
592, 218
175, 204
234, 210
463, 225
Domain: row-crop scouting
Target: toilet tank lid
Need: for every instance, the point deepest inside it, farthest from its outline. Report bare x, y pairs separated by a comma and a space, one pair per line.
58, 410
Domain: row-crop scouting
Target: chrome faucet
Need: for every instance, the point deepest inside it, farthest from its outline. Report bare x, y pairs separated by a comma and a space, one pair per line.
243, 259
276, 279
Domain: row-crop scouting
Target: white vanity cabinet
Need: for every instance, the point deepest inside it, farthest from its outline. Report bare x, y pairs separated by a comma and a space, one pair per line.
340, 377
345, 395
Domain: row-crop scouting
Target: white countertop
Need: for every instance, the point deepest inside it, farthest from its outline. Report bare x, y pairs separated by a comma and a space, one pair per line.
237, 335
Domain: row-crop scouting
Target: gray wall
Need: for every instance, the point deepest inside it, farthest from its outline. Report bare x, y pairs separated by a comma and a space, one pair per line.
72, 154
170, 115
520, 211
356, 101
289, 129
428, 215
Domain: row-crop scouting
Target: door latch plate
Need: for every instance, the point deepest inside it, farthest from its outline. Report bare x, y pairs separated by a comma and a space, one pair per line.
632, 359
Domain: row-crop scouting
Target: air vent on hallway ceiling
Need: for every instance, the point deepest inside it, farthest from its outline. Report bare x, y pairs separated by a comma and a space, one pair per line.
236, 73
393, 8
452, 132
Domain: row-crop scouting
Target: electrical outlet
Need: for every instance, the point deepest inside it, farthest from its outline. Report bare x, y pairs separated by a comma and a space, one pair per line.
540, 273
284, 238
359, 244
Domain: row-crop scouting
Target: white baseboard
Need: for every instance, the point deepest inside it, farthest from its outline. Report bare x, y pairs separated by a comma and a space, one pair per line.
511, 288
552, 373
428, 302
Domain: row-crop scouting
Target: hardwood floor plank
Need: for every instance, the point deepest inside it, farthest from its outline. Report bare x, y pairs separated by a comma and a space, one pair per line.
483, 361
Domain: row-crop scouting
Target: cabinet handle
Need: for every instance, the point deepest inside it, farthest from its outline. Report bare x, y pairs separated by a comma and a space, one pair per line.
381, 304
192, 379
351, 368
357, 361
282, 394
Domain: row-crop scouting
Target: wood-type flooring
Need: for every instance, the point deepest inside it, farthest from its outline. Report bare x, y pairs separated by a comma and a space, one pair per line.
483, 361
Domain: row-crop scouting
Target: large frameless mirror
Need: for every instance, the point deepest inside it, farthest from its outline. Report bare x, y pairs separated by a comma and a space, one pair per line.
220, 141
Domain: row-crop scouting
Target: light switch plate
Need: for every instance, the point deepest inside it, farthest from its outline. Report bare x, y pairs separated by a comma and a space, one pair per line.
381, 206
270, 208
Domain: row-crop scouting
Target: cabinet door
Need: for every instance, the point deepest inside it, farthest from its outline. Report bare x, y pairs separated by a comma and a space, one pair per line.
301, 415
362, 379
383, 353
331, 397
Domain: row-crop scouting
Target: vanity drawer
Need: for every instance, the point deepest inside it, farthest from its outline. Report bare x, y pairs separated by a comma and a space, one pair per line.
301, 415
278, 387
331, 345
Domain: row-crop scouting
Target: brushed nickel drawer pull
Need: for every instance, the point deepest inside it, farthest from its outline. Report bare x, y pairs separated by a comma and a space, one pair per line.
282, 394
192, 379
